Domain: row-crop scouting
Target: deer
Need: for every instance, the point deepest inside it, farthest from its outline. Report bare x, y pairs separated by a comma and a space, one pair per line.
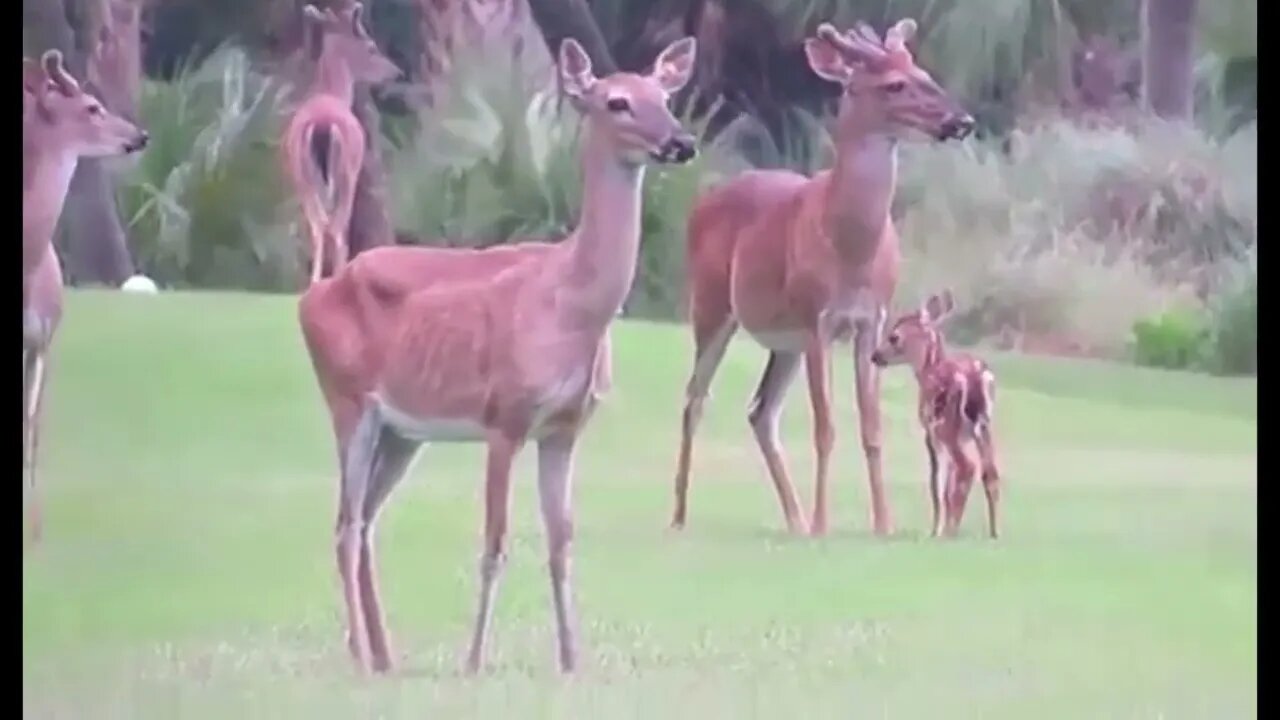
956, 408
61, 123
802, 263
324, 143
500, 346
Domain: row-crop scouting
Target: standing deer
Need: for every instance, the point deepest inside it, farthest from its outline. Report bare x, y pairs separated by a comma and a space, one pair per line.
801, 263
499, 346
324, 143
60, 124
956, 406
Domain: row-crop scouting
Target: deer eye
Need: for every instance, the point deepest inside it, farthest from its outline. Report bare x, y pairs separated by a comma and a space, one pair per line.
618, 105
895, 339
95, 110
895, 87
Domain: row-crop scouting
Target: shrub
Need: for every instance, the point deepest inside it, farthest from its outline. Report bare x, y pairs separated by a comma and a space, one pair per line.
1073, 231
1175, 339
205, 204
1233, 321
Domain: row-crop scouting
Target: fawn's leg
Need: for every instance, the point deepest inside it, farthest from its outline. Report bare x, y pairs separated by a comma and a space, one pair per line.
990, 478
961, 480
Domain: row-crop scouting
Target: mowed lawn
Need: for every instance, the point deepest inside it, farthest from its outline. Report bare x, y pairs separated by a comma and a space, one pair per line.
187, 569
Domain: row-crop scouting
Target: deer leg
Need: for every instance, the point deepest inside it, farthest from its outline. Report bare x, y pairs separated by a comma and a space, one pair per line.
360, 455
497, 502
33, 392
710, 343
937, 488
961, 480
818, 369
555, 490
867, 379
393, 457
990, 478
764, 415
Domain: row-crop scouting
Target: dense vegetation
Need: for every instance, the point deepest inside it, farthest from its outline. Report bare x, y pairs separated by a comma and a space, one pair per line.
1074, 223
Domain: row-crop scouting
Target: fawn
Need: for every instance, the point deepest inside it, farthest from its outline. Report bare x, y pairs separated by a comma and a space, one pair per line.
956, 406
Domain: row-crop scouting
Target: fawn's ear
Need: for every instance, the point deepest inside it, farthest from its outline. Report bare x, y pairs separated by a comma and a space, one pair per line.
897, 37
674, 66
825, 58
576, 77
937, 307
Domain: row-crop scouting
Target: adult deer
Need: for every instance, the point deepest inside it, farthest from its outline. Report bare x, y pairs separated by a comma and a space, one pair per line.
956, 406
800, 263
498, 346
324, 143
60, 124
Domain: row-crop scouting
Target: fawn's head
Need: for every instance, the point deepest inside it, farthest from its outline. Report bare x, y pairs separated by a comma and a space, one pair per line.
341, 36
57, 113
632, 109
914, 337
883, 87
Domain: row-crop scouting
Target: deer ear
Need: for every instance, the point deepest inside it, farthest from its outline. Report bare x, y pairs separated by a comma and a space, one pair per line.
33, 78
52, 62
937, 307
825, 59
575, 70
897, 37
357, 13
674, 66
311, 13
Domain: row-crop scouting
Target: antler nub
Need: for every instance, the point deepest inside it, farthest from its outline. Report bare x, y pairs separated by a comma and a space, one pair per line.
52, 62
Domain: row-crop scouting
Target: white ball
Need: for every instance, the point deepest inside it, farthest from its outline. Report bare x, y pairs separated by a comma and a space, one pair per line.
140, 284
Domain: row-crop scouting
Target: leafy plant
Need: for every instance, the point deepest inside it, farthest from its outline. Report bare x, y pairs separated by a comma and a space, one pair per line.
206, 205
1175, 339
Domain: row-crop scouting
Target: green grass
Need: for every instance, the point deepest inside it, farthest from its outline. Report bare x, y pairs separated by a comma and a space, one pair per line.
187, 566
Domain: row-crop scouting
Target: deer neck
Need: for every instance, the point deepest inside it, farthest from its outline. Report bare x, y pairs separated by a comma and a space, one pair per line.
934, 355
861, 188
602, 252
334, 78
46, 177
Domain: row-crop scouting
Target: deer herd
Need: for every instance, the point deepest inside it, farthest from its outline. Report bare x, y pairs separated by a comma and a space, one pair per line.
510, 344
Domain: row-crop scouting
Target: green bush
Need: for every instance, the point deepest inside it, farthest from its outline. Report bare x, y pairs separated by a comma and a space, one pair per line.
1175, 339
1233, 322
206, 205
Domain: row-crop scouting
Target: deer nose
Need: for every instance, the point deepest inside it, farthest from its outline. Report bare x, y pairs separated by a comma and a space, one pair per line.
877, 358
680, 149
957, 127
138, 142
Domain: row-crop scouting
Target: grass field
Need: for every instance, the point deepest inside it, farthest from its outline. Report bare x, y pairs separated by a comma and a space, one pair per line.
187, 567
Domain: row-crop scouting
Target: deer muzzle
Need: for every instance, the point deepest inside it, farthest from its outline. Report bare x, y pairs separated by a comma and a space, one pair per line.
137, 143
680, 149
957, 127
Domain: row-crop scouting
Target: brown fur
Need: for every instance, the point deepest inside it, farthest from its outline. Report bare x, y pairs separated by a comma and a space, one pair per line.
800, 263
502, 345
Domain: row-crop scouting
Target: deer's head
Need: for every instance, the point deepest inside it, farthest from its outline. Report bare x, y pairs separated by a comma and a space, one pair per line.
914, 337
341, 36
56, 112
884, 90
630, 109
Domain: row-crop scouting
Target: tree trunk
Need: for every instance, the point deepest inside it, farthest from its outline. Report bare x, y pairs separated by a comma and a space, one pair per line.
559, 19
92, 236
370, 221
1168, 47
